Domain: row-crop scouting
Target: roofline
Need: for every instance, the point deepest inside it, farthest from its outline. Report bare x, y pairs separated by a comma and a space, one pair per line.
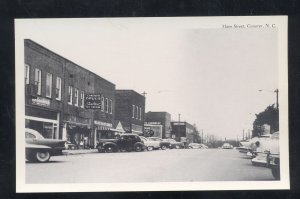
37, 44
129, 90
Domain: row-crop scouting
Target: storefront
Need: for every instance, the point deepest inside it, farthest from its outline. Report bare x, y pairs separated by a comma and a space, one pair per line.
78, 131
44, 121
102, 130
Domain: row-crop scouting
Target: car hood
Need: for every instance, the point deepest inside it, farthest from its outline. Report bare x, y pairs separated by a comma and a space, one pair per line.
46, 142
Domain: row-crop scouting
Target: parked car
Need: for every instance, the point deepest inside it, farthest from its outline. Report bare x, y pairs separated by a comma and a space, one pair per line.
150, 144
40, 149
227, 146
123, 142
194, 146
203, 146
70, 146
174, 144
267, 154
159, 143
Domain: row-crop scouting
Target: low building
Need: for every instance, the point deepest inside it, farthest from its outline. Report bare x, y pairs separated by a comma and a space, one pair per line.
183, 131
159, 123
130, 110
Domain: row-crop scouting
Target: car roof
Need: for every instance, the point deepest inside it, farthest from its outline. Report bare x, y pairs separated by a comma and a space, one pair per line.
34, 132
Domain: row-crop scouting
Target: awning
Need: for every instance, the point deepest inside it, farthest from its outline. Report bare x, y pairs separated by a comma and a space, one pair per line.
72, 125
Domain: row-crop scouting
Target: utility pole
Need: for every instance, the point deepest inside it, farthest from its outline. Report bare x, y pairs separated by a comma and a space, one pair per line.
243, 134
277, 105
202, 137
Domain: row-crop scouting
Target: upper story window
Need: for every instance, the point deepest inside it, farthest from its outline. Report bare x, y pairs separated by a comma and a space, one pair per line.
106, 105
58, 88
137, 112
27, 72
133, 110
70, 95
38, 80
102, 103
76, 96
140, 113
82, 99
48, 85
110, 106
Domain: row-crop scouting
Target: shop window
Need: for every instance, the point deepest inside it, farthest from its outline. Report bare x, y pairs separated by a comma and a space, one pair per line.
58, 88
133, 110
102, 103
82, 99
27, 72
106, 105
76, 96
38, 80
70, 95
48, 85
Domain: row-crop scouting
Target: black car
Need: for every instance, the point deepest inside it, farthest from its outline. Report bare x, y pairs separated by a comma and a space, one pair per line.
123, 142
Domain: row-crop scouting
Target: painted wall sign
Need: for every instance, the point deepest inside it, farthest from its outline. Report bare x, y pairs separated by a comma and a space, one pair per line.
92, 101
40, 101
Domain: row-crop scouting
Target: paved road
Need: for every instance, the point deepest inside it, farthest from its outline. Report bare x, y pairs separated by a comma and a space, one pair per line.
184, 165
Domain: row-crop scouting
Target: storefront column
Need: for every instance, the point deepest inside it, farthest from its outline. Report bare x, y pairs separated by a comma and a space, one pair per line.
64, 132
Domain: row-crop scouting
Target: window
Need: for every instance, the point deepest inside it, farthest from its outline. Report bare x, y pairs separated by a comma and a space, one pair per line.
106, 105
133, 110
70, 95
48, 85
137, 112
110, 106
82, 99
27, 71
140, 113
76, 96
58, 88
38, 80
102, 103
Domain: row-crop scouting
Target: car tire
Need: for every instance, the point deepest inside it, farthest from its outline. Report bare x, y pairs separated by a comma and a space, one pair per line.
42, 156
150, 148
276, 173
109, 149
138, 148
163, 147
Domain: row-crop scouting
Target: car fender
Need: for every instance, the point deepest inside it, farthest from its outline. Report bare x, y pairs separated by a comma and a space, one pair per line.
35, 146
110, 143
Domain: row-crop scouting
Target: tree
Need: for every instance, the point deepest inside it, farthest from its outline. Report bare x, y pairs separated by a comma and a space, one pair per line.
269, 116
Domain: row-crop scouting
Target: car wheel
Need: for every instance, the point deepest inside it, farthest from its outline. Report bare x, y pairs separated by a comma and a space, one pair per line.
276, 173
163, 147
42, 156
138, 148
150, 148
109, 149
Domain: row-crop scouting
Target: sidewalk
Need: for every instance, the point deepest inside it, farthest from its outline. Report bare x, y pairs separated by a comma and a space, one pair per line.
79, 151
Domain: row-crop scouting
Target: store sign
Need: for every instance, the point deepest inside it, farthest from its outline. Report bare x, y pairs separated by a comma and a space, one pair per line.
92, 101
178, 123
104, 124
40, 101
153, 123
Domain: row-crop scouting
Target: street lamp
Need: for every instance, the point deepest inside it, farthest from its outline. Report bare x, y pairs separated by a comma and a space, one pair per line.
276, 91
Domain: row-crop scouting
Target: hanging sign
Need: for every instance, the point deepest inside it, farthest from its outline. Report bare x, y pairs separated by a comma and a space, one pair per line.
92, 101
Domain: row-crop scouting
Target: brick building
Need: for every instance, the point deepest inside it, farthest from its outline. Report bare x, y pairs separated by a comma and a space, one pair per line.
130, 110
55, 97
183, 131
154, 121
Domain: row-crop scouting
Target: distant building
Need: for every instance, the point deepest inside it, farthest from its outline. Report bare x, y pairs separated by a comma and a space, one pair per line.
183, 131
130, 110
159, 123
55, 90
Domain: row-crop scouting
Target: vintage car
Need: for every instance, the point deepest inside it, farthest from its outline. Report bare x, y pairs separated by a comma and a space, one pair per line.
194, 146
227, 146
40, 149
123, 142
174, 144
266, 153
159, 143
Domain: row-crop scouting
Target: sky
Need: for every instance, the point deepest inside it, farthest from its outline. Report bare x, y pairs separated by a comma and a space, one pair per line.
207, 74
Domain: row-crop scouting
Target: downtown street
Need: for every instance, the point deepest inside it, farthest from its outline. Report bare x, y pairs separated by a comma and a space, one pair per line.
183, 165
